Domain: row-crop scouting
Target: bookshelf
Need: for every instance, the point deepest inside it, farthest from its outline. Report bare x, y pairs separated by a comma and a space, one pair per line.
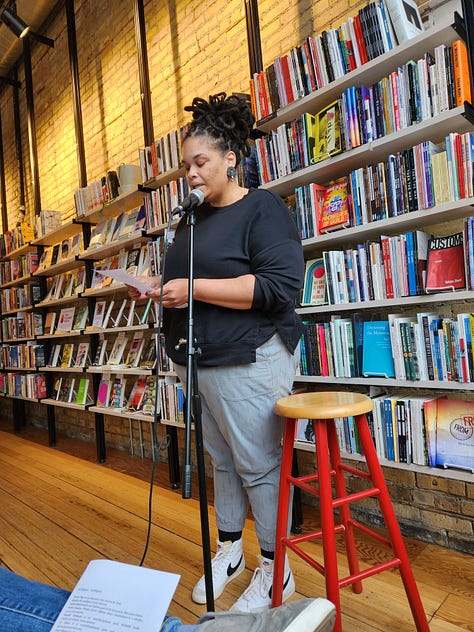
439, 217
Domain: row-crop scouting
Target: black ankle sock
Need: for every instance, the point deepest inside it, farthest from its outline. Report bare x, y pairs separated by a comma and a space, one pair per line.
269, 555
229, 536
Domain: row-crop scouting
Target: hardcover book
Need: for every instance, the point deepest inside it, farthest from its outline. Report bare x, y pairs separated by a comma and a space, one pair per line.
455, 433
315, 289
445, 266
377, 356
66, 319
405, 18
335, 207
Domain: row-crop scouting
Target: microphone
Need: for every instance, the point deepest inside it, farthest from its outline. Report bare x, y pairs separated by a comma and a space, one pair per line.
195, 198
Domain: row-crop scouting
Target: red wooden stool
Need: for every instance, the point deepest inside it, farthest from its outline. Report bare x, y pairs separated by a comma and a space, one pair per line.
323, 408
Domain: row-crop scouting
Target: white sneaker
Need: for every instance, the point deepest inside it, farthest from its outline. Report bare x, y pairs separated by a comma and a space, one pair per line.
258, 594
227, 564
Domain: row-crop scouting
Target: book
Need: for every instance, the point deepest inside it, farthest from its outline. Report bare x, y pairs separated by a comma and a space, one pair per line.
117, 392
335, 207
99, 313
136, 394
80, 318
100, 353
81, 355
445, 269
134, 350
462, 81
66, 354
315, 288
112, 589
82, 391
149, 401
103, 392
377, 358
455, 433
66, 319
107, 314
49, 321
118, 349
405, 18
328, 139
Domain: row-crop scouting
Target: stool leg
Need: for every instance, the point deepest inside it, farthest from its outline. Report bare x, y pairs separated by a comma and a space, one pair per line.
327, 518
283, 510
344, 511
391, 524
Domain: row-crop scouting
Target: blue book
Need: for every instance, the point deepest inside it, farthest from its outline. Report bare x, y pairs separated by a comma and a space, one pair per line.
388, 429
411, 265
377, 357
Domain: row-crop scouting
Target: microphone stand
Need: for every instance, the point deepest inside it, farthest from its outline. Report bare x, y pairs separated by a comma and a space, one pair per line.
193, 412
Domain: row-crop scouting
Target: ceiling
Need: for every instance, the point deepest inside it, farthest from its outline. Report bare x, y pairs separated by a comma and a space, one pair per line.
34, 13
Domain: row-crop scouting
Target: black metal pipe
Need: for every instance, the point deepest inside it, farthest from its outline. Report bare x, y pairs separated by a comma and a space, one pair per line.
30, 109
3, 192
76, 92
253, 36
17, 123
145, 93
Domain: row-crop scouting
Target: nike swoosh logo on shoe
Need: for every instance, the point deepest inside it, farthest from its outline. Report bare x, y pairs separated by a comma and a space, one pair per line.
284, 586
231, 569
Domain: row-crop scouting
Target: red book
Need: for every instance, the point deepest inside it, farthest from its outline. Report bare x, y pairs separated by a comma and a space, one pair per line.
387, 266
335, 207
364, 58
445, 266
287, 78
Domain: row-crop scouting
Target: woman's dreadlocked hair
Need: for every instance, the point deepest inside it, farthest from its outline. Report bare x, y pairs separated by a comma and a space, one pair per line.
226, 119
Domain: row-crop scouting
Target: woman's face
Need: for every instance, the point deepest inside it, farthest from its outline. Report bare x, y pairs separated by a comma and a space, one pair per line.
206, 168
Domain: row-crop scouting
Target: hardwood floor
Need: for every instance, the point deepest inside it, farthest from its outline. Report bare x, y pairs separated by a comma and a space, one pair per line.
58, 511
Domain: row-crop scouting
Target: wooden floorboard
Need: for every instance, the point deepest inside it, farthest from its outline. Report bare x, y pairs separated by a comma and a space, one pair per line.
58, 511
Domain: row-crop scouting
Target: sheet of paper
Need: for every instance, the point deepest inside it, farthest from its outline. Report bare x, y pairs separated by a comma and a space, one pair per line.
123, 277
112, 596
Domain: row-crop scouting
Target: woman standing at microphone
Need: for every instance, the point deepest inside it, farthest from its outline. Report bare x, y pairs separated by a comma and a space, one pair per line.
249, 269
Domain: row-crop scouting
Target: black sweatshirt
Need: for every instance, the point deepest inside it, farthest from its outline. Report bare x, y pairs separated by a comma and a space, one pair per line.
256, 235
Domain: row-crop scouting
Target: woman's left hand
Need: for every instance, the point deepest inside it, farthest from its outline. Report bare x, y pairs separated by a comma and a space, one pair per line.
175, 293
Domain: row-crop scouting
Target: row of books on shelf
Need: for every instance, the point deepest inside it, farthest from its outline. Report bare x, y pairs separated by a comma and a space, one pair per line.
395, 266
72, 390
416, 92
136, 261
142, 397
66, 285
162, 155
24, 385
17, 237
17, 268
96, 195
360, 116
25, 356
160, 202
420, 177
423, 430
20, 296
67, 249
375, 29
124, 226
424, 347
22, 325
106, 315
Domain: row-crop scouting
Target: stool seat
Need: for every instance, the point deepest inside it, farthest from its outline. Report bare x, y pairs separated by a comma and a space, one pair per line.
328, 484
323, 405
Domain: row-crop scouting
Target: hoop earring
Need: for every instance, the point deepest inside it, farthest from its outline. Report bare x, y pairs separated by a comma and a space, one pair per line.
231, 173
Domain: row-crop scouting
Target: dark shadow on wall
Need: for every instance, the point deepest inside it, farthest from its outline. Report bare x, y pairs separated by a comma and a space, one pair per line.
175, 55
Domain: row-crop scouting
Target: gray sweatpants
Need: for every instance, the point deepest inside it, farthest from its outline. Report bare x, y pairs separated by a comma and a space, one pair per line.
243, 435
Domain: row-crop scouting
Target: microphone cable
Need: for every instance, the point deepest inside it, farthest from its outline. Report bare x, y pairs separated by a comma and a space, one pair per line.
164, 443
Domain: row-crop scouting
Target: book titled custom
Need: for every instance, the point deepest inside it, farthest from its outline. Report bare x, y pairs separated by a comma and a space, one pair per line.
315, 288
335, 207
377, 358
445, 268
455, 433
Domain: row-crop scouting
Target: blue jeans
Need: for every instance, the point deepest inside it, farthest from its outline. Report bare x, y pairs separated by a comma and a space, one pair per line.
243, 435
28, 606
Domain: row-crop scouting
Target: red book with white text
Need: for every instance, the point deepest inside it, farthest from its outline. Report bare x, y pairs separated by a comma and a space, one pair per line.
445, 266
